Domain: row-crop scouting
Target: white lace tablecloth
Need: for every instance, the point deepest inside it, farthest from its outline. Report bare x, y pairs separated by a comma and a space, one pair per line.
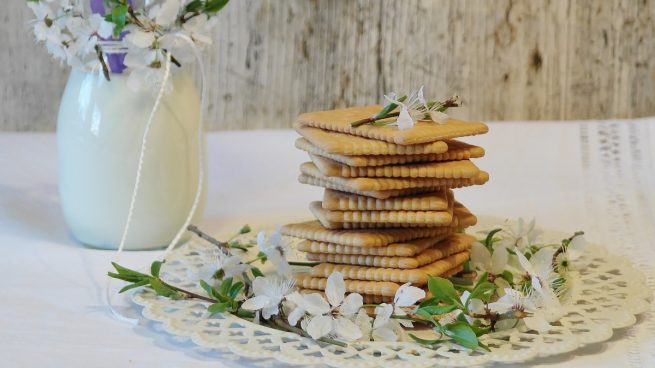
595, 176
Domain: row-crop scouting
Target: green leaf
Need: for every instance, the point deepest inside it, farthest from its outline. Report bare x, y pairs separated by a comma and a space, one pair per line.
194, 7
444, 290
424, 341
218, 307
134, 285
225, 286
483, 289
262, 256
389, 108
508, 276
462, 334
428, 317
126, 271
489, 240
155, 267
438, 309
256, 272
160, 288
119, 18
428, 302
208, 288
214, 6
235, 289
128, 278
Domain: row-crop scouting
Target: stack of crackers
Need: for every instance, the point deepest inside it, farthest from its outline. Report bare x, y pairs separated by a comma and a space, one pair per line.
388, 214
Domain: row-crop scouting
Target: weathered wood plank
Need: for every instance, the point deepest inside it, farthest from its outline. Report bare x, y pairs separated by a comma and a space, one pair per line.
508, 59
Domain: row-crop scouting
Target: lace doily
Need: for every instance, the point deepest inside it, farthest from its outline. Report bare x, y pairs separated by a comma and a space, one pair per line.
606, 294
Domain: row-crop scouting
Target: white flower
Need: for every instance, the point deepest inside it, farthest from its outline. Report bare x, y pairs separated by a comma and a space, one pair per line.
227, 264
276, 250
484, 260
406, 296
139, 38
166, 13
521, 236
364, 322
415, 108
332, 317
196, 28
539, 270
514, 301
269, 292
574, 250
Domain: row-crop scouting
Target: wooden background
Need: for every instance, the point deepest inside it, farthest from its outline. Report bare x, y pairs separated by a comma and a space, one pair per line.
272, 59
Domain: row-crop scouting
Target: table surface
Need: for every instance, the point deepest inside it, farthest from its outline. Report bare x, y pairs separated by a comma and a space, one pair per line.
596, 176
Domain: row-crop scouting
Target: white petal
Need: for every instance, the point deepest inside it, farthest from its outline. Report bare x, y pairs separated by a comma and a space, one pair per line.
384, 334
167, 14
269, 311
105, 29
364, 322
480, 256
537, 323
261, 240
476, 306
315, 304
404, 121
382, 314
525, 264
351, 304
335, 288
260, 285
439, 117
406, 323
319, 326
347, 329
256, 303
542, 261
140, 39
296, 315
499, 260
576, 247
407, 295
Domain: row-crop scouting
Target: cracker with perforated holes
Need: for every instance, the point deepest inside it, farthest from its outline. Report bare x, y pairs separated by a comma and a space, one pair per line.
457, 150
306, 281
379, 194
446, 169
418, 276
455, 243
377, 299
313, 230
389, 218
345, 144
462, 218
373, 184
422, 132
342, 201
401, 249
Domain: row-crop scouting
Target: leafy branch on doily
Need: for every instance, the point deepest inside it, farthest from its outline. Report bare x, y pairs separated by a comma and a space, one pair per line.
511, 279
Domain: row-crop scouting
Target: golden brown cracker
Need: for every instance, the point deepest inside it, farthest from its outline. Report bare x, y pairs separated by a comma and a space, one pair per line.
418, 276
422, 132
345, 144
378, 184
438, 170
457, 150
402, 249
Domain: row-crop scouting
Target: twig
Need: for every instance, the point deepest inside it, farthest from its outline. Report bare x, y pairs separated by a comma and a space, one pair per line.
194, 229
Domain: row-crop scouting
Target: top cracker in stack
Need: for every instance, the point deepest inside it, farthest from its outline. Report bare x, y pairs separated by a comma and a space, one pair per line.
388, 214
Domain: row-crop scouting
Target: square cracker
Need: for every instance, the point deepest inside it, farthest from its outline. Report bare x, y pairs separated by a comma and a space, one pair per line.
454, 243
313, 230
402, 249
417, 276
306, 281
341, 201
379, 194
422, 132
457, 150
445, 169
377, 299
419, 218
369, 184
345, 144
462, 218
